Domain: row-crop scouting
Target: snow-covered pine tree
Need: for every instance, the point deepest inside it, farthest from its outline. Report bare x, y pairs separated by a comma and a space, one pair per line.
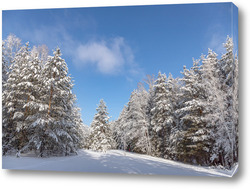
236, 109
158, 119
135, 123
144, 142
31, 83
4, 109
10, 47
150, 80
193, 148
120, 131
113, 129
80, 130
4, 68
15, 97
215, 101
226, 133
100, 138
55, 123
172, 123
5, 119
230, 84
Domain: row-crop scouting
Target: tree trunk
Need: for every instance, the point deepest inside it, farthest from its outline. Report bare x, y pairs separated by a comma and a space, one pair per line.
27, 109
51, 94
50, 99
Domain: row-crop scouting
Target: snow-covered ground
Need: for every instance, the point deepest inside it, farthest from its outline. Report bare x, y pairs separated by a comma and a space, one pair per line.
114, 161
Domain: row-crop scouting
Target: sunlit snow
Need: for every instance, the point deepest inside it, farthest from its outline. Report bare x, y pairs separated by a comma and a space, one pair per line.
113, 161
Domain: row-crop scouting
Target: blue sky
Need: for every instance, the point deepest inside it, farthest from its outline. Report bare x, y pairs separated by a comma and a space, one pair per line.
110, 49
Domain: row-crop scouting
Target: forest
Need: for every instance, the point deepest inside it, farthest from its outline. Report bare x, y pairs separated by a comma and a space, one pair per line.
193, 119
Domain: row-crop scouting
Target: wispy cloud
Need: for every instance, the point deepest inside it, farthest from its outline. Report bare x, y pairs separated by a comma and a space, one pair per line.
108, 57
52, 36
216, 36
216, 43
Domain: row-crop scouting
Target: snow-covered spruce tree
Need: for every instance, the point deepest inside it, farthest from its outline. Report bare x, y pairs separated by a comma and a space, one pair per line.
215, 101
226, 133
100, 138
236, 109
172, 123
120, 131
135, 123
194, 146
10, 47
113, 131
159, 119
144, 142
31, 83
15, 96
4, 68
80, 130
150, 80
4, 109
55, 129
230, 86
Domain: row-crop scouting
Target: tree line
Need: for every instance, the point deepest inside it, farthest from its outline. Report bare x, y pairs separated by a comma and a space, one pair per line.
38, 107
192, 119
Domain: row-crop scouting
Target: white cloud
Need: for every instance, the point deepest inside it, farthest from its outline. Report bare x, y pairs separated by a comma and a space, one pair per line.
216, 35
216, 43
109, 57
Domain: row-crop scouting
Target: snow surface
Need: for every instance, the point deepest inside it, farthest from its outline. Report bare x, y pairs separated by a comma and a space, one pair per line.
113, 161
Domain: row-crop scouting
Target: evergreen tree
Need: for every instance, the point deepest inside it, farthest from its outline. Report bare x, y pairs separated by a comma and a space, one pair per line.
15, 97
100, 138
81, 131
135, 123
31, 83
120, 131
172, 123
144, 143
4, 68
194, 147
236, 110
214, 117
5, 131
55, 125
150, 82
226, 133
159, 119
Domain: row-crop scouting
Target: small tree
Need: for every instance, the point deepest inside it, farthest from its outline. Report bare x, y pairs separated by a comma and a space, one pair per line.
81, 131
100, 138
